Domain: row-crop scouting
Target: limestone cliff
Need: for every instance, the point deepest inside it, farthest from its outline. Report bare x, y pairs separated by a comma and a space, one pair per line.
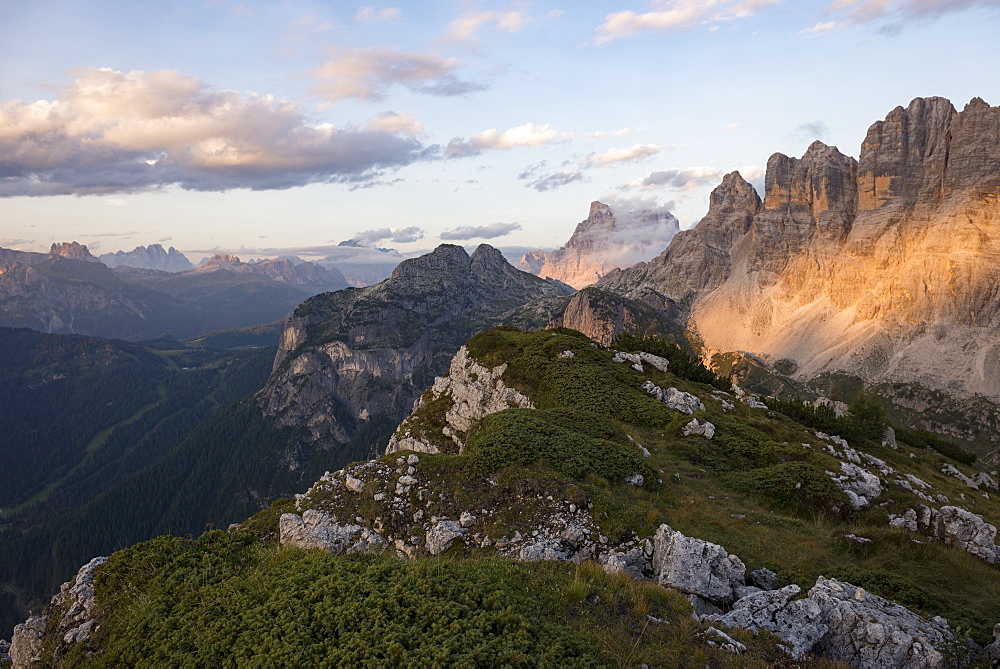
885, 268
360, 357
602, 242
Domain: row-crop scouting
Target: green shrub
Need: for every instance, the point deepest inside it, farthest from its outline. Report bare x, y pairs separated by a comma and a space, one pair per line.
794, 485
682, 363
571, 442
928, 440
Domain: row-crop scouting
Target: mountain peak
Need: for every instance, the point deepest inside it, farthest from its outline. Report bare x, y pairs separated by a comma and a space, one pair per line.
445, 258
73, 251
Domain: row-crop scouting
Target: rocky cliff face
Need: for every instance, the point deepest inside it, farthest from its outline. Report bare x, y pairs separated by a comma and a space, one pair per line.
885, 267
602, 242
149, 257
361, 357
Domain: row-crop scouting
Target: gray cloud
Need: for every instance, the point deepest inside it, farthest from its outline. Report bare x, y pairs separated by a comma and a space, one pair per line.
678, 179
394, 235
543, 179
369, 73
490, 231
117, 132
812, 131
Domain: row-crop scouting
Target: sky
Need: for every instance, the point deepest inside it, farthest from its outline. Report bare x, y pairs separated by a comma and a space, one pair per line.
289, 126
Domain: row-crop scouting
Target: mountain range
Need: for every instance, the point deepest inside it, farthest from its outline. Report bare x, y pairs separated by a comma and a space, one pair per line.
68, 290
603, 438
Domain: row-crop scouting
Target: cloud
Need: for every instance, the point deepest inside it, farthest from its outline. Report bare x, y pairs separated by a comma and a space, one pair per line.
528, 134
676, 16
242, 10
614, 156
369, 73
466, 27
393, 122
891, 16
394, 235
117, 132
490, 231
372, 15
600, 134
8, 242
542, 179
730, 127
813, 130
165, 239
682, 179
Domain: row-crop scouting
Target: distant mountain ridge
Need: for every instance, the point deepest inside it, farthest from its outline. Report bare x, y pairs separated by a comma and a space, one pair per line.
149, 257
603, 241
69, 291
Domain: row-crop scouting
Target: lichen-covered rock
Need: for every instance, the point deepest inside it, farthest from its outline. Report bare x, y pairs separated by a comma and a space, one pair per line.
674, 398
952, 470
696, 567
705, 429
860, 486
441, 536
957, 526
843, 622
26, 644
904, 521
867, 631
798, 623
475, 391
985, 480
315, 529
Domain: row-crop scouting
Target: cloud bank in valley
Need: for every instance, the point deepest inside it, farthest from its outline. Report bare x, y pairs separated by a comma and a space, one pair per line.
118, 132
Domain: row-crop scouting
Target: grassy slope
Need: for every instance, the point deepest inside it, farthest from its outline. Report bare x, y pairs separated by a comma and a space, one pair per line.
737, 490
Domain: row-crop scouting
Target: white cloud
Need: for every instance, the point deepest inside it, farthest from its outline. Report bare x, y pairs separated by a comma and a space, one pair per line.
730, 127
675, 16
368, 73
555, 13
394, 122
600, 134
490, 231
466, 27
372, 15
528, 134
117, 132
622, 155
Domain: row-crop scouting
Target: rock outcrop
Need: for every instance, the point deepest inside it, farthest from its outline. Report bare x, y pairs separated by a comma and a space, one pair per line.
471, 391
359, 355
697, 567
602, 242
843, 622
833, 270
74, 605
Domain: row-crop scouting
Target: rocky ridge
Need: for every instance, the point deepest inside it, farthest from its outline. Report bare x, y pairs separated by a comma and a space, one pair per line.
830, 270
149, 257
351, 357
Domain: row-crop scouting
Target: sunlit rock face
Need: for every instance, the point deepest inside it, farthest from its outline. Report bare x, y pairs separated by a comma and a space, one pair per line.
886, 267
604, 241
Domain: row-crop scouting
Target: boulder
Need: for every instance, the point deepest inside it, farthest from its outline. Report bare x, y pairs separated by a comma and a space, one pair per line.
798, 623
318, 530
867, 631
860, 486
954, 525
441, 536
705, 429
674, 398
26, 644
696, 567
